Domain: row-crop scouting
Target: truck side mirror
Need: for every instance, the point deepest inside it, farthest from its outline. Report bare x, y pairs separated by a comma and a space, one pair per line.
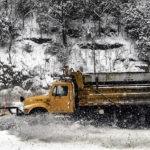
22, 98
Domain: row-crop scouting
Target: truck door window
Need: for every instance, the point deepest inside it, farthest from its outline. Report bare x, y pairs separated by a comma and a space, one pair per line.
60, 91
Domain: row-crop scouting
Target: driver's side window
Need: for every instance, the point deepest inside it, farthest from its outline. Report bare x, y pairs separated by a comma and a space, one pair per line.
60, 91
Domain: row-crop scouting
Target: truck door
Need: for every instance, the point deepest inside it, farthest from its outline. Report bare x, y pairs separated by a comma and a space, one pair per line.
61, 99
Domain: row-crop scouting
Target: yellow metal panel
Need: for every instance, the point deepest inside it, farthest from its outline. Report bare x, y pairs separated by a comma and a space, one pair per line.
114, 95
78, 78
63, 104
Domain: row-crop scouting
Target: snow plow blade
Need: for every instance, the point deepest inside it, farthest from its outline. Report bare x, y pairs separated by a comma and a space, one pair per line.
13, 110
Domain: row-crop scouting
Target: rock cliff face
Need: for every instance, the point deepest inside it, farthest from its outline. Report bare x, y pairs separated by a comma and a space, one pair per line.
112, 54
38, 52
40, 58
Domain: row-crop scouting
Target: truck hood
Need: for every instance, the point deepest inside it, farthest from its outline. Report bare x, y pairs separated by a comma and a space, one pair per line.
35, 99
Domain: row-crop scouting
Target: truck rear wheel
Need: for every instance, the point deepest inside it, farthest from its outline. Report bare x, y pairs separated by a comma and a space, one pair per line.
131, 116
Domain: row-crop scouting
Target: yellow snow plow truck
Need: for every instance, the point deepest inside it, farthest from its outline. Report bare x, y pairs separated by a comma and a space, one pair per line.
119, 94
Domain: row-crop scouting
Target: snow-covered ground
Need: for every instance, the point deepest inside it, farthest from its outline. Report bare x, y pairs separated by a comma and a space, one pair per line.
49, 132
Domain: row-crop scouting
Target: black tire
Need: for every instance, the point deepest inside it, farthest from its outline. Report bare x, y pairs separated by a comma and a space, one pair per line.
38, 111
128, 117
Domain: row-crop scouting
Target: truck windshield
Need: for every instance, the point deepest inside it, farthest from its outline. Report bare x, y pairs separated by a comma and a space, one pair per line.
60, 91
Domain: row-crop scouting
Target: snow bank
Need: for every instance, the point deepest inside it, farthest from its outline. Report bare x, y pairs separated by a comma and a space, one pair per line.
35, 64
8, 141
60, 133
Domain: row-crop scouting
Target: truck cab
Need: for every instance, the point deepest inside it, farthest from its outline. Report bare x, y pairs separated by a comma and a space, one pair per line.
59, 100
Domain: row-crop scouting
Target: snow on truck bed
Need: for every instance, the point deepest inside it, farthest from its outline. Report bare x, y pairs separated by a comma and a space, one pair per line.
54, 133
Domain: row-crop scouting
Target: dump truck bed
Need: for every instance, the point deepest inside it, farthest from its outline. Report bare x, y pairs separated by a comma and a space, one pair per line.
128, 94
117, 78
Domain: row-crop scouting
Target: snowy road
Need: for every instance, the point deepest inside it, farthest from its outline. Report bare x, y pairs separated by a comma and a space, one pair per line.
58, 134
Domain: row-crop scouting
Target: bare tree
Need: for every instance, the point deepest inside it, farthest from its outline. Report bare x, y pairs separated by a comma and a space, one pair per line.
108, 7
24, 8
59, 13
10, 20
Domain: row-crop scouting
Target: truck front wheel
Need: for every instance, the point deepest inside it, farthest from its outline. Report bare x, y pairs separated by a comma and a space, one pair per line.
38, 111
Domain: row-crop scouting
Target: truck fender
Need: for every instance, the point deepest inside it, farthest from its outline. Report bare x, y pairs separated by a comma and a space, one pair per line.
40, 106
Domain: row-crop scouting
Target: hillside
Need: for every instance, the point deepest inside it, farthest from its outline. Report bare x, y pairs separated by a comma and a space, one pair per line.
39, 37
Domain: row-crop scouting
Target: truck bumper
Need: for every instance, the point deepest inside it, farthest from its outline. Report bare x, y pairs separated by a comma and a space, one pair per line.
13, 110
